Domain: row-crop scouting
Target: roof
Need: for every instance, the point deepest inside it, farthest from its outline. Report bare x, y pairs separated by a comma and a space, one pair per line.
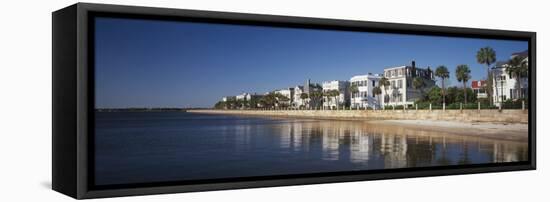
524, 53
365, 76
478, 84
500, 64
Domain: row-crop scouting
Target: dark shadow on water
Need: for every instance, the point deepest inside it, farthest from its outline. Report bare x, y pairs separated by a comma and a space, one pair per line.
46, 184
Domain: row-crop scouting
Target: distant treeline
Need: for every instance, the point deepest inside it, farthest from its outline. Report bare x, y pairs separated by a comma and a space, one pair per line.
137, 109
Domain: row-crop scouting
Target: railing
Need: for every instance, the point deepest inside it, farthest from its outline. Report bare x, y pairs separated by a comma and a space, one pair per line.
419, 106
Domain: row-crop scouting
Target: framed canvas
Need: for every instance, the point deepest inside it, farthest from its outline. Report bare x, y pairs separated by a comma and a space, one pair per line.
155, 100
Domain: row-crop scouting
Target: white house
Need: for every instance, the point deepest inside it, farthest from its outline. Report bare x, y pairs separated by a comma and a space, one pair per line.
297, 101
401, 91
505, 86
339, 101
288, 93
228, 98
243, 97
364, 97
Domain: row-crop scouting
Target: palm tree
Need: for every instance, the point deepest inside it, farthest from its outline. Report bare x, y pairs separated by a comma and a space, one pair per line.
442, 73
487, 56
385, 83
304, 97
336, 95
315, 96
523, 72
463, 75
516, 67
282, 100
269, 100
377, 91
328, 95
353, 90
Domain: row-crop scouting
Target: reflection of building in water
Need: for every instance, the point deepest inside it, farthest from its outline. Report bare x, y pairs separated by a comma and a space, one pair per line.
360, 146
390, 147
506, 153
394, 149
242, 141
286, 133
331, 142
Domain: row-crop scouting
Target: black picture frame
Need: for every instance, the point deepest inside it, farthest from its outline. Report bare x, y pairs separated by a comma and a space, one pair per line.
73, 99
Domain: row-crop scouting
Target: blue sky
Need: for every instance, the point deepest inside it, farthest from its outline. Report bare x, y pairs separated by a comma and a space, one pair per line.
147, 63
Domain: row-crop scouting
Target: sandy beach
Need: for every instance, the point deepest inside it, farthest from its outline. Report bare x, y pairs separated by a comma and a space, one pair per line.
505, 131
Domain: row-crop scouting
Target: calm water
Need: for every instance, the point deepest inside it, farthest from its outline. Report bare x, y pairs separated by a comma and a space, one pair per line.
134, 147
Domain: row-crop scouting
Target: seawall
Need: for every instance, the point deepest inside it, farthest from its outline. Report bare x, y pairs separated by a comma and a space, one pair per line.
469, 115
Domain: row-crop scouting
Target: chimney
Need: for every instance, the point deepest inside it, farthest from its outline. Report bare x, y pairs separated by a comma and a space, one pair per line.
413, 64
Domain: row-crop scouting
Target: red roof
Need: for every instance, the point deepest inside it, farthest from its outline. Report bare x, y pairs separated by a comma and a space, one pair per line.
477, 84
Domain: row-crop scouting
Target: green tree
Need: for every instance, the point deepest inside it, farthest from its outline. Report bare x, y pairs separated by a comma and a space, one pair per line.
442, 73
269, 100
316, 97
463, 75
487, 56
434, 95
281, 100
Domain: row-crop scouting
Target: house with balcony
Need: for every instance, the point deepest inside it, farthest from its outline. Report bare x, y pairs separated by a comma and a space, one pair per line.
506, 86
401, 90
363, 97
480, 89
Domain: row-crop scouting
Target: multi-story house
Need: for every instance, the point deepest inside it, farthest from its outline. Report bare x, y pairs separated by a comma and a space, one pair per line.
401, 90
506, 86
361, 95
297, 101
288, 93
479, 88
338, 101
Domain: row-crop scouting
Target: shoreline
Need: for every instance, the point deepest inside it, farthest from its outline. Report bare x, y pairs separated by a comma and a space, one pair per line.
509, 131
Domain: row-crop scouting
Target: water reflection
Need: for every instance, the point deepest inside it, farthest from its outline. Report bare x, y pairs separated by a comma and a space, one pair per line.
397, 147
151, 147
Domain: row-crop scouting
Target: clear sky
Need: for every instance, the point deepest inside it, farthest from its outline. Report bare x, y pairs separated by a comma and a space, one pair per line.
148, 63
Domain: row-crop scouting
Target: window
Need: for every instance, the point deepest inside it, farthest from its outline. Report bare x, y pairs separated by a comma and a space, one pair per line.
373, 83
393, 84
400, 84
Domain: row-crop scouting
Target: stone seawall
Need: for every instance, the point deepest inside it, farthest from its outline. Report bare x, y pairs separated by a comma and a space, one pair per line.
485, 115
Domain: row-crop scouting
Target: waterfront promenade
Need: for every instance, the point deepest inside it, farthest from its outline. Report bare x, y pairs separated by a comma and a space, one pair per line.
504, 125
466, 115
